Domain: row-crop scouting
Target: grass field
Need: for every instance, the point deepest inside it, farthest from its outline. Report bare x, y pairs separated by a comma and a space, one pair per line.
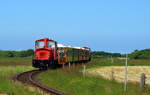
134, 73
97, 62
16, 61
73, 81
70, 81
10, 67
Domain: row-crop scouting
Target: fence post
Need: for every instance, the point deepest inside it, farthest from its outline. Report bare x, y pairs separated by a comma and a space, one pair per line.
73, 65
63, 65
143, 80
112, 75
69, 64
84, 67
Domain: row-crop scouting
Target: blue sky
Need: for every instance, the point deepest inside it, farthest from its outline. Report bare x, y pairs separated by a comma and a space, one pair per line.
103, 25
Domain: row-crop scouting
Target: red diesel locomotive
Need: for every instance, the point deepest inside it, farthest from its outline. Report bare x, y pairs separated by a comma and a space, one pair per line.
49, 54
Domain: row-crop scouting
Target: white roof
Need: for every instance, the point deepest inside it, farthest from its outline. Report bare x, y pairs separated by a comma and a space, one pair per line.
77, 47
61, 45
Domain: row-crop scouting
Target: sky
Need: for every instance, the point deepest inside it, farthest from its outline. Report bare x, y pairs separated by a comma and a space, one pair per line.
103, 25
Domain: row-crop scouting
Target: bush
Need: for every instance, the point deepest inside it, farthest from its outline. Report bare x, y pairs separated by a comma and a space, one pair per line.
140, 54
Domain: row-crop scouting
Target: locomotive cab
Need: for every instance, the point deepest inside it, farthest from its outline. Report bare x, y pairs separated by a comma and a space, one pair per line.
45, 53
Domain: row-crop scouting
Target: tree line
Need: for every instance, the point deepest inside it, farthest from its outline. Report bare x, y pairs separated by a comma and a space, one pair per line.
140, 54
105, 54
30, 52
23, 53
137, 54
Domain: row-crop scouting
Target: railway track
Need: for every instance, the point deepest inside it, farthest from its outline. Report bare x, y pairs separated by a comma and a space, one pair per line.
29, 78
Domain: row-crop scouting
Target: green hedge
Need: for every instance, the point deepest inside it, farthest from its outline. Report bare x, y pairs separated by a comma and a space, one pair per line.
24, 53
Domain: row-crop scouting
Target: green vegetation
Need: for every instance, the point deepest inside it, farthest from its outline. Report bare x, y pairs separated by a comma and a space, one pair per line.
76, 84
72, 81
15, 61
24, 53
9, 67
105, 54
140, 54
137, 54
7, 86
97, 62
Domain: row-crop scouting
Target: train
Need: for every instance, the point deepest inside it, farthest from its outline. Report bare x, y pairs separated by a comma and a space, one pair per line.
50, 54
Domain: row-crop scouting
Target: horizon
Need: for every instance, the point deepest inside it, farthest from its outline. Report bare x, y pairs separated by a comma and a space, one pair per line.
110, 26
91, 50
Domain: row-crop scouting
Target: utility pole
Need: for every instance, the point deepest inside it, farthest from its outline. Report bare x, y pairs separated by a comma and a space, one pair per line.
126, 73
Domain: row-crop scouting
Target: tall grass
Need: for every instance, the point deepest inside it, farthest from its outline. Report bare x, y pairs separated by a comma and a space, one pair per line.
10, 67
7, 86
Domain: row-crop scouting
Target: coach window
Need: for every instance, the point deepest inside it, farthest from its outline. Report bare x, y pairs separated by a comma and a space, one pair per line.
51, 44
40, 44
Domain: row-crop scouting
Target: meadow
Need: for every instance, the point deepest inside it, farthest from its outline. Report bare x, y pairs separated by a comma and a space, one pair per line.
9, 67
16, 61
73, 81
69, 80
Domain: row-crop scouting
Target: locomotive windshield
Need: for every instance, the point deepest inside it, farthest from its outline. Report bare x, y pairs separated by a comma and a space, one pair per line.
51, 44
40, 44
